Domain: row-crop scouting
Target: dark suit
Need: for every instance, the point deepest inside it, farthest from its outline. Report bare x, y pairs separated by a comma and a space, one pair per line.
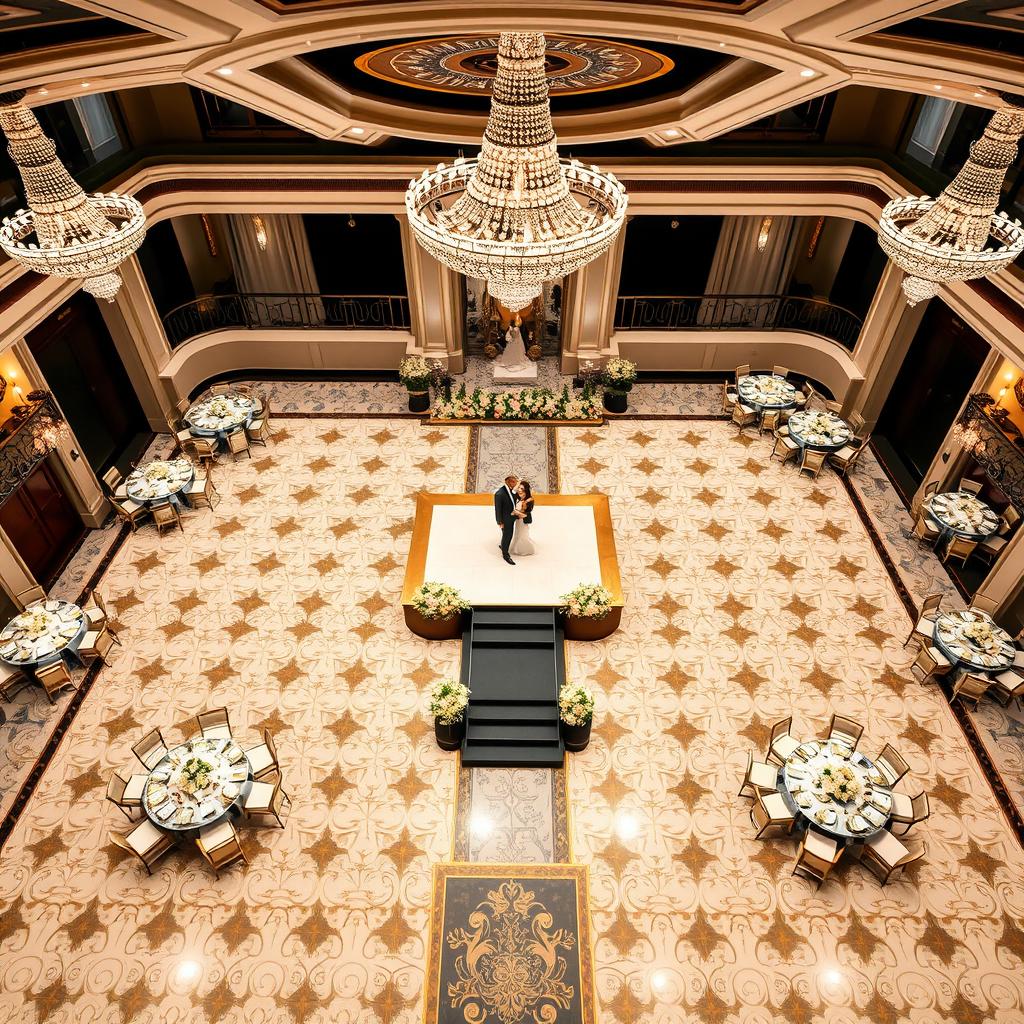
504, 506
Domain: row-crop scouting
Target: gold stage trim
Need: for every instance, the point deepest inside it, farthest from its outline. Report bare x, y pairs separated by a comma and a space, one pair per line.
426, 502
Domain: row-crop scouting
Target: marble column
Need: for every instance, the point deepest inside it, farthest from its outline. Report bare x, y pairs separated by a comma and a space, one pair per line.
436, 301
588, 309
15, 577
1005, 580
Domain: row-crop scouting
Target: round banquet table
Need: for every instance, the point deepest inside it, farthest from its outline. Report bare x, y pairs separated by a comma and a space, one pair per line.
217, 416
961, 514
850, 822
765, 392
160, 480
803, 430
173, 809
964, 652
45, 632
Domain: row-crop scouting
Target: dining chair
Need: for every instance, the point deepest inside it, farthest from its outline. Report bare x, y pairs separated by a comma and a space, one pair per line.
729, 397
165, 513
924, 629
846, 730
884, 855
770, 420
984, 604
780, 371
857, 422
959, 547
992, 546
96, 644
742, 371
201, 491
909, 810
263, 757
145, 841
53, 678
265, 412
95, 610
238, 443
785, 448
970, 688
201, 449
891, 764
220, 389
969, 485
759, 777
743, 416
817, 856
183, 404
258, 431
811, 462
1007, 686
126, 794
931, 662
12, 681
214, 724
780, 743
26, 597
219, 846
112, 478
846, 458
267, 799
128, 511
925, 530
150, 749
182, 437
770, 811
835, 407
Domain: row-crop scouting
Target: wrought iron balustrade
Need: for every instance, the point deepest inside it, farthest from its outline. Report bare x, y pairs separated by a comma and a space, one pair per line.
33, 431
271, 310
737, 313
996, 445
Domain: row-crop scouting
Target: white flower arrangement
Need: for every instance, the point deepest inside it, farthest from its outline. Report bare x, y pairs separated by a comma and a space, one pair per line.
448, 701
839, 782
195, 776
219, 407
619, 374
414, 373
587, 601
157, 471
438, 600
980, 634
37, 624
528, 404
575, 704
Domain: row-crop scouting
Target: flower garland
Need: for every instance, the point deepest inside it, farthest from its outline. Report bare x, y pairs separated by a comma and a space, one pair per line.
438, 600
587, 601
528, 404
575, 704
448, 701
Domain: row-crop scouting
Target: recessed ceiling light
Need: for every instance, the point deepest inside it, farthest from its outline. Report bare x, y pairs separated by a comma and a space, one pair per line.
807, 73
979, 95
44, 92
85, 85
357, 131
225, 71
721, 44
671, 133
938, 88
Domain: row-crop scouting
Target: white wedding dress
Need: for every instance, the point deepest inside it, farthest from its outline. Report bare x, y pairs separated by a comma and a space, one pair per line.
514, 355
521, 543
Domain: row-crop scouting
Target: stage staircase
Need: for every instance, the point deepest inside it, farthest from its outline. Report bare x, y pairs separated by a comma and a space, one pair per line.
513, 661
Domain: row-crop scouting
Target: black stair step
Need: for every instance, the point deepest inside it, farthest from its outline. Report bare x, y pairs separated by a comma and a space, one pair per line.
525, 713
511, 733
512, 617
483, 755
511, 639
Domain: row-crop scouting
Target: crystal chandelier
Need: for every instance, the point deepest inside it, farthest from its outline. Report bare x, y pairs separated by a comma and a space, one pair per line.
946, 239
64, 232
516, 216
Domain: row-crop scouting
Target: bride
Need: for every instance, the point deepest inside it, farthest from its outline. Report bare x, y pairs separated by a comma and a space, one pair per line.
521, 543
513, 357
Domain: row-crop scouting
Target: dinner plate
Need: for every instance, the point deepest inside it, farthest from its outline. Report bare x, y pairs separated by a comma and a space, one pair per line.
882, 801
857, 823
805, 800
873, 815
164, 811
238, 774
186, 815
825, 816
235, 754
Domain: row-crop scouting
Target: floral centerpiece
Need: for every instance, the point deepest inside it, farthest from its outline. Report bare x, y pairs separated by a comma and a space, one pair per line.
195, 775
36, 624
414, 372
527, 404
448, 702
575, 715
981, 635
157, 471
838, 782
219, 407
618, 376
587, 601
438, 601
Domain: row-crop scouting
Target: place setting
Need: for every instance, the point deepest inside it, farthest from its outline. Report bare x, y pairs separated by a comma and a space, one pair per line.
43, 632
766, 391
972, 638
819, 429
220, 415
961, 513
160, 480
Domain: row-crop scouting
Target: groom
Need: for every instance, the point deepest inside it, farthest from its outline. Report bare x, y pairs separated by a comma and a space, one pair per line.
504, 506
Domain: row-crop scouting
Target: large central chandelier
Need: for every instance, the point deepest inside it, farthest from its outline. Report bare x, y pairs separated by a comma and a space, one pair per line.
64, 232
947, 239
516, 216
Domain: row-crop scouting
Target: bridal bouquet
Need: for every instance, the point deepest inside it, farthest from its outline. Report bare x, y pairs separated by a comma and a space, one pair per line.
575, 704
587, 601
448, 701
838, 782
619, 374
438, 601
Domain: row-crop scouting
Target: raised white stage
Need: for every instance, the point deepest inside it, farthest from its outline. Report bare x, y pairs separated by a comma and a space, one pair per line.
455, 541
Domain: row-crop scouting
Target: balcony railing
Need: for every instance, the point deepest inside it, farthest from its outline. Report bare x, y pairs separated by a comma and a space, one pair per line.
31, 433
996, 444
737, 313
254, 311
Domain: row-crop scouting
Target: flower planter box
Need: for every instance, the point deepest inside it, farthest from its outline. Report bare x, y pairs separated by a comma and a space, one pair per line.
580, 628
616, 401
575, 737
433, 629
449, 422
419, 401
449, 737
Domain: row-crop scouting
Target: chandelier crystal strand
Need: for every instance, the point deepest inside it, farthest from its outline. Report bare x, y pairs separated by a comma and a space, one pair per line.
946, 239
516, 216
64, 232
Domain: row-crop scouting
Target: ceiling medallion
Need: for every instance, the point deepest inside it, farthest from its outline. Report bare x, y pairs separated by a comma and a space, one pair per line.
64, 232
468, 64
516, 215
935, 241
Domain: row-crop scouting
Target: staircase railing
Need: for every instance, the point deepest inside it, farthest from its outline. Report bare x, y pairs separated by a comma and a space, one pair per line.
254, 311
737, 313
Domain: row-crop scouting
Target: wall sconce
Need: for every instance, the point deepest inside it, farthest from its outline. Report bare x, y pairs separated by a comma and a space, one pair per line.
261, 232
211, 238
812, 245
764, 234
351, 222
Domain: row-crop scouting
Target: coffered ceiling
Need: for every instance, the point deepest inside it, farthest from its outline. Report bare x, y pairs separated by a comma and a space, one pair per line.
668, 71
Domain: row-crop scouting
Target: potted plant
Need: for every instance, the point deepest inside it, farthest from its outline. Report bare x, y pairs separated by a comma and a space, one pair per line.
414, 373
584, 608
435, 611
448, 702
575, 715
618, 377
